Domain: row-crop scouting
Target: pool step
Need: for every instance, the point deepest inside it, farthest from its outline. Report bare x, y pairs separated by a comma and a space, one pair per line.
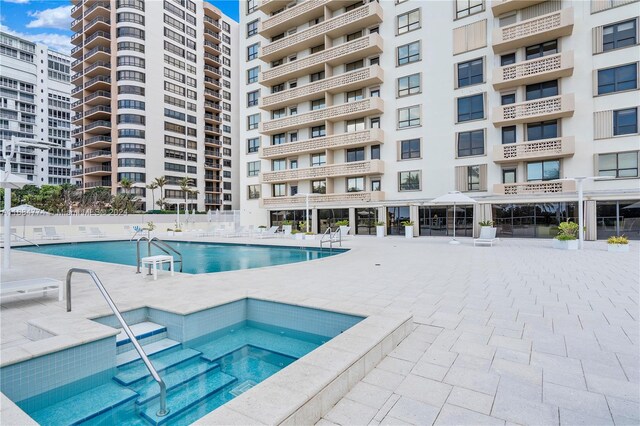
85, 406
186, 396
150, 349
175, 379
146, 332
132, 373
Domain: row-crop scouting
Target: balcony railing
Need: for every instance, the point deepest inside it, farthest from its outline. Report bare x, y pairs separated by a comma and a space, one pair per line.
346, 111
347, 52
539, 109
543, 187
293, 16
340, 83
325, 199
96, 124
102, 140
97, 184
98, 49
534, 150
500, 7
353, 20
98, 94
534, 71
95, 154
356, 168
532, 31
341, 141
99, 79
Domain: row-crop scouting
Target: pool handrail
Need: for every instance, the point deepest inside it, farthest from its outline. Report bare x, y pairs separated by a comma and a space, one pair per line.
158, 243
334, 237
163, 387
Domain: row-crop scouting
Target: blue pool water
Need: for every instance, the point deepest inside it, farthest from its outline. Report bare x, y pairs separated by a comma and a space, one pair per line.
198, 257
201, 375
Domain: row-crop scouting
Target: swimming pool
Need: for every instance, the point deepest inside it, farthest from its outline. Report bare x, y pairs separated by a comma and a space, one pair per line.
198, 257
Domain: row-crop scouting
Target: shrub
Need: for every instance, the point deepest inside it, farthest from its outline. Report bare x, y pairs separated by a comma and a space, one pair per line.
618, 240
379, 223
406, 223
287, 222
567, 231
342, 223
486, 223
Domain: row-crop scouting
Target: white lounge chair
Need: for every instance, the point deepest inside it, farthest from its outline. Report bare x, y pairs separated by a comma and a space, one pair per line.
50, 233
38, 233
94, 231
36, 285
487, 236
270, 233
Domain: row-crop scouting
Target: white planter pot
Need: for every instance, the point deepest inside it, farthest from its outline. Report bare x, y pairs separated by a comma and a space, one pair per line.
565, 245
309, 237
299, 236
344, 231
170, 233
618, 248
287, 229
487, 232
178, 234
380, 231
408, 231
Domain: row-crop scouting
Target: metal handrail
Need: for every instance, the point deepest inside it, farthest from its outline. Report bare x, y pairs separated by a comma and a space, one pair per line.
24, 239
159, 244
163, 387
334, 237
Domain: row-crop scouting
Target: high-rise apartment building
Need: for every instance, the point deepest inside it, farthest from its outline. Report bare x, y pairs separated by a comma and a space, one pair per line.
35, 109
369, 110
154, 91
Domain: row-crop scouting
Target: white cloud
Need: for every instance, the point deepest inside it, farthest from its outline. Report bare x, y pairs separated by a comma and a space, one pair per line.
17, 1
57, 17
58, 42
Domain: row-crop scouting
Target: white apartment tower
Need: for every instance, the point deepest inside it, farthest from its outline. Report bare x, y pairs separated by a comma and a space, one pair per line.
154, 93
35, 95
375, 108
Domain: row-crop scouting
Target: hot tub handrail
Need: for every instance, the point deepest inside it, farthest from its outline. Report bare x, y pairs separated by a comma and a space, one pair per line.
163, 387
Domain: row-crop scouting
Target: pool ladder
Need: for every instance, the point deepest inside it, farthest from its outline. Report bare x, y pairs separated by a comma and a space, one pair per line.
157, 242
154, 373
332, 237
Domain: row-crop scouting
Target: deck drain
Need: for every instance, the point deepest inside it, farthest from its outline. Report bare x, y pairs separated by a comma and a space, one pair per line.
242, 387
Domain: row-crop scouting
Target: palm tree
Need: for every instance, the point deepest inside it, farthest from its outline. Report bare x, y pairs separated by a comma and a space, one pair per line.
161, 182
153, 186
186, 184
126, 184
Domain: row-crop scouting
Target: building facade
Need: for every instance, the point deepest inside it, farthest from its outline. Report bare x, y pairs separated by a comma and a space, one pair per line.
35, 109
374, 109
153, 95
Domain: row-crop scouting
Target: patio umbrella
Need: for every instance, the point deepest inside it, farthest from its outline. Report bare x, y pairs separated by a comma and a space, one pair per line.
9, 181
453, 197
209, 215
25, 210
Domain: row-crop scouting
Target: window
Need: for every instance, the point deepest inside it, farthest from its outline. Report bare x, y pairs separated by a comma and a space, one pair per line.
619, 35
293, 136
253, 145
409, 181
279, 189
278, 113
625, 121
409, 85
316, 49
278, 139
409, 117
618, 165
355, 125
542, 130
253, 168
509, 134
252, 75
507, 99
355, 154
470, 72
252, 98
409, 21
253, 192
318, 160
293, 189
409, 53
252, 28
352, 66
471, 108
316, 76
318, 132
409, 149
473, 178
508, 59
543, 49
252, 52
317, 104
471, 143
468, 7
293, 164
354, 36
355, 95
251, 6
280, 164
374, 123
617, 79
374, 92
543, 170
509, 175
319, 186
542, 90
375, 152
355, 184
252, 121
375, 185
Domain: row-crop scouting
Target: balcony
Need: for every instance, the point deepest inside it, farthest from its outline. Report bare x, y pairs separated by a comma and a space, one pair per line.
341, 141
534, 71
499, 7
98, 142
294, 16
98, 155
356, 168
101, 82
211, 72
100, 23
527, 188
212, 95
346, 23
101, 97
99, 38
98, 170
97, 9
97, 184
99, 53
76, 11
349, 198
537, 110
346, 111
211, 48
347, 52
98, 127
98, 112
353, 80
532, 31
210, 118
76, 39
534, 150
97, 68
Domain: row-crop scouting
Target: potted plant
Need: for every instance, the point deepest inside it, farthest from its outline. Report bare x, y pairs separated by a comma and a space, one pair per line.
287, 225
297, 234
176, 229
408, 228
618, 244
170, 232
567, 236
487, 230
380, 229
344, 227
309, 236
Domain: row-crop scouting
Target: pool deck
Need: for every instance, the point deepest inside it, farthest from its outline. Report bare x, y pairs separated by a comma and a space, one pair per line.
515, 333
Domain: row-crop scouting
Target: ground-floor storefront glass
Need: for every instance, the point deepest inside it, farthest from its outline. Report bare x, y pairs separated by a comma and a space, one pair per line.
395, 217
618, 218
366, 221
438, 221
279, 216
329, 217
538, 220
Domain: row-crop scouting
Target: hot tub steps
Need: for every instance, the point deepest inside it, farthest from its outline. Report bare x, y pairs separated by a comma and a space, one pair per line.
145, 332
150, 349
134, 372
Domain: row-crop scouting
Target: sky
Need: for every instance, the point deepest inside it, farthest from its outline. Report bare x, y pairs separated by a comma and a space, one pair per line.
48, 21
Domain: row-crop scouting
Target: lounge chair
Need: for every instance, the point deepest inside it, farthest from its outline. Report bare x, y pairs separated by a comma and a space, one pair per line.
50, 233
36, 285
94, 231
487, 236
270, 233
38, 233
